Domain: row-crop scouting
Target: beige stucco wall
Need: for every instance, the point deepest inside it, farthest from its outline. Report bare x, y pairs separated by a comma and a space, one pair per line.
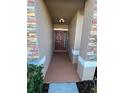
72, 32
79, 27
44, 32
75, 31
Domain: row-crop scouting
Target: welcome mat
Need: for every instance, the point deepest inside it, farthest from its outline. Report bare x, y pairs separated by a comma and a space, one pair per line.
63, 88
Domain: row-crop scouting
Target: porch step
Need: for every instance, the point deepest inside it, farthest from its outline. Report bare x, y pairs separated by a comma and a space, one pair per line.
63, 88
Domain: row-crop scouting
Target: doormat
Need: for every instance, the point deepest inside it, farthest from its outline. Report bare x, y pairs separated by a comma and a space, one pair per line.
63, 88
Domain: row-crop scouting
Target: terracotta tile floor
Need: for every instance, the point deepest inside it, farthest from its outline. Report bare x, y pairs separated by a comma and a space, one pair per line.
61, 70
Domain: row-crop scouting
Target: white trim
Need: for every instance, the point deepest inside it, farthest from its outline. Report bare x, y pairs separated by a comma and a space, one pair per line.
75, 52
60, 29
39, 62
87, 63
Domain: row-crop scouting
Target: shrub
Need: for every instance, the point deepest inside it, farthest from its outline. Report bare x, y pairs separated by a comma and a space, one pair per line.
34, 78
94, 88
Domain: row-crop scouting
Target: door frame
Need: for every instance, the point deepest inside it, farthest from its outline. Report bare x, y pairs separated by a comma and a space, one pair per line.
54, 41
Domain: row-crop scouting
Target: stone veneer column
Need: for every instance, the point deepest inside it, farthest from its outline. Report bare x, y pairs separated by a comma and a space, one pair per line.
87, 57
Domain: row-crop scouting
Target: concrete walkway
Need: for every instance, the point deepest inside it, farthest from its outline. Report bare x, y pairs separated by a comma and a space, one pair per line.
63, 88
61, 69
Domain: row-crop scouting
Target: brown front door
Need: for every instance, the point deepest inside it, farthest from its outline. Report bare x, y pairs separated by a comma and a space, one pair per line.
59, 40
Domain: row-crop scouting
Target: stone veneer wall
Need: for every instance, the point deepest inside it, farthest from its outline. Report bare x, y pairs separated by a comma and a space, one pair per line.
92, 43
32, 42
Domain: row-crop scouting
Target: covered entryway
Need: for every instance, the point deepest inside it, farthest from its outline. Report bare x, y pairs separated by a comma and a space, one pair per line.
65, 17
64, 41
64, 25
66, 35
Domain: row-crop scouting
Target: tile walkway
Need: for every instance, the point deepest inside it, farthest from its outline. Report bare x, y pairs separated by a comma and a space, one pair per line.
61, 69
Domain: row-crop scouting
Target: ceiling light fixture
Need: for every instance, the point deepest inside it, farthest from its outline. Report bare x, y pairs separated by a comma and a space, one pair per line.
61, 20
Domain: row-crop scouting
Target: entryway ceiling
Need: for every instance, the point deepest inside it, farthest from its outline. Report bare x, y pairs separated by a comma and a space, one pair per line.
63, 9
